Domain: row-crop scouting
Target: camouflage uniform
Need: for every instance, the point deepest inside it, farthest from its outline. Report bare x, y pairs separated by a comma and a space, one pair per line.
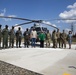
58, 38
48, 39
5, 33
18, 37
26, 37
0, 35
64, 37
12, 36
54, 39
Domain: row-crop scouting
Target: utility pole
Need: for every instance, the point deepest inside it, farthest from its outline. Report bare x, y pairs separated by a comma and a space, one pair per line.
72, 28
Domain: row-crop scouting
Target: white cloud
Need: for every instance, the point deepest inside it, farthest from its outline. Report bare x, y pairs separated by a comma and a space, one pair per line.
10, 18
68, 14
72, 6
67, 30
11, 15
48, 23
71, 14
3, 13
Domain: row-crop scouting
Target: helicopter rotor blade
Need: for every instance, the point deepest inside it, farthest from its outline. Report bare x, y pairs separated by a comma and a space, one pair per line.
15, 18
63, 19
44, 22
37, 21
33, 20
23, 24
20, 18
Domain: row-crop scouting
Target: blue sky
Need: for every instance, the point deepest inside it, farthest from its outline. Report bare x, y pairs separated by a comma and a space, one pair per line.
38, 9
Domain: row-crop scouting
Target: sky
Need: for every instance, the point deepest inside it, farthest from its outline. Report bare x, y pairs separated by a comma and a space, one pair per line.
39, 10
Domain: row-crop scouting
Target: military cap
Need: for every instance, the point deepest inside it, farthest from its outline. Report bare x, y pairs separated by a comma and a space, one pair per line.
13, 27
6, 25
27, 29
19, 28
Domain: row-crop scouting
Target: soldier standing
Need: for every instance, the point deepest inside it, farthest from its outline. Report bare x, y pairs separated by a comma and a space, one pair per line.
26, 38
18, 37
0, 35
58, 37
54, 39
48, 39
5, 33
64, 37
12, 36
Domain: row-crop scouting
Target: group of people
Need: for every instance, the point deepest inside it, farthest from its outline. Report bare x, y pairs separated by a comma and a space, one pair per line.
4, 35
60, 39
57, 38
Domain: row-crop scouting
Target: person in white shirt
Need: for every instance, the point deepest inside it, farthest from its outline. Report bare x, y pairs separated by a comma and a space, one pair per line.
33, 37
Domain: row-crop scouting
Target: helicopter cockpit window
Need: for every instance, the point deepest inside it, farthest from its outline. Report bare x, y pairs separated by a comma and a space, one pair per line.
44, 29
38, 29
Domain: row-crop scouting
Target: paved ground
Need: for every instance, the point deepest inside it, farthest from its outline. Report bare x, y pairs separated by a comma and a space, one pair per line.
47, 61
65, 66
9, 69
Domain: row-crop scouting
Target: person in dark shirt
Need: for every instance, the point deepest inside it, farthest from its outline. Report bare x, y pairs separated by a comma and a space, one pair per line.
18, 37
11, 38
26, 38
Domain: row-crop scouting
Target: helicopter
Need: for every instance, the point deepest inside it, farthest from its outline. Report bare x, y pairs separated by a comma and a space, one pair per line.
38, 28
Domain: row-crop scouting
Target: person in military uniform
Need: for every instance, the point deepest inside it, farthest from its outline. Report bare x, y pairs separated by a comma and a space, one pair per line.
18, 37
26, 35
11, 37
48, 39
64, 37
0, 35
54, 39
5, 33
58, 38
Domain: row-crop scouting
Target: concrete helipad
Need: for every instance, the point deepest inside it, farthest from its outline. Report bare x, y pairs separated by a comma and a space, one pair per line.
47, 61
